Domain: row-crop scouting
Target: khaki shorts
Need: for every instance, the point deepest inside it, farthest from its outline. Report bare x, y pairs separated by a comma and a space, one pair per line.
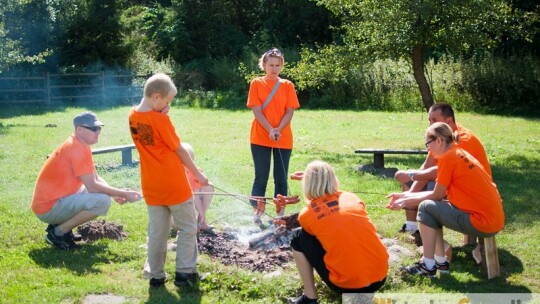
69, 206
438, 214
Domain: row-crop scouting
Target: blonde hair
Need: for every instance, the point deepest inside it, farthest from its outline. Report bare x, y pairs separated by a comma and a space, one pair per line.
442, 131
273, 52
159, 83
319, 180
189, 150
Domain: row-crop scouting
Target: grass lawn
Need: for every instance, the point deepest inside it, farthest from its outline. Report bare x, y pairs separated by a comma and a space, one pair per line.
34, 272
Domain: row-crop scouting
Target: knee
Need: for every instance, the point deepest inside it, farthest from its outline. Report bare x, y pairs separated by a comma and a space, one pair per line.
426, 206
102, 205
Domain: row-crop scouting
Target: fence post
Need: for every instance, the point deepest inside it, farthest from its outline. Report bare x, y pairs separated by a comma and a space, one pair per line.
47, 89
102, 86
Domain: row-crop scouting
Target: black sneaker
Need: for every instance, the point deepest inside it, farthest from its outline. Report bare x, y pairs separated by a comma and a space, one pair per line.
403, 229
156, 283
303, 299
74, 236
186, 279
443, 267
50, 227
420, 269
63, 242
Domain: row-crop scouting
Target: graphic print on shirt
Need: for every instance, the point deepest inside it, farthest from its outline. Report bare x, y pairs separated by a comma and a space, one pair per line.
325, 211
471, 165
142, 133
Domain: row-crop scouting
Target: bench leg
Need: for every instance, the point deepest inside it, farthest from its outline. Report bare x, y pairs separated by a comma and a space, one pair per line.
490, 257
126, 157
378, 161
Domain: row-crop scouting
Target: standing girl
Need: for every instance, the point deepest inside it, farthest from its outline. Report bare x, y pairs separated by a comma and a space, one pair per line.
273, 101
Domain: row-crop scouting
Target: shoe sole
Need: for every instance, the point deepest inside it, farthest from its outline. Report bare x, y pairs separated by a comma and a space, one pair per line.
63, 246
60, 245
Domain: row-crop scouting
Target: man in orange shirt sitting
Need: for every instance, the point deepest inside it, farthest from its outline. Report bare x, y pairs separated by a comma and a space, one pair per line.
68, 190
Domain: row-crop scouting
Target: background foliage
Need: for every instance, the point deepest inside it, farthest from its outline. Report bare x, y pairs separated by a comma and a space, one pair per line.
480, 56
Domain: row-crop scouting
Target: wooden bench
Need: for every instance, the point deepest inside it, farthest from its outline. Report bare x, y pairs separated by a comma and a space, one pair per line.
378, 154
487, 255
127, 159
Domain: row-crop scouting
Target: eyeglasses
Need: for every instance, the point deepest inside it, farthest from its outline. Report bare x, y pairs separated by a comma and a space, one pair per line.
428, 142
93, 129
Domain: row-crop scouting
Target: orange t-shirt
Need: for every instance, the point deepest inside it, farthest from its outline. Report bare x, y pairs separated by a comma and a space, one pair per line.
472, 144
471, 189
59, 176
163, 177
284, 97
355, 256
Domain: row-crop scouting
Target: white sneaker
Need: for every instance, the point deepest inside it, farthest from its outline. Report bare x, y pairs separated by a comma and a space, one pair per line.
257, 219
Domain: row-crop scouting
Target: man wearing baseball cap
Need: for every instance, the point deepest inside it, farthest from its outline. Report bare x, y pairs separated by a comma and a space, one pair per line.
69, 192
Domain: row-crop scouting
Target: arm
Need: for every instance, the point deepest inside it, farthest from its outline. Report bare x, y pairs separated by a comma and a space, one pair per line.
95, 184
257, 111
426, 173
188, 162
411, 200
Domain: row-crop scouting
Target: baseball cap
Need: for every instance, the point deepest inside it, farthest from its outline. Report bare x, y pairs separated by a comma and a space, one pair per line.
87, 119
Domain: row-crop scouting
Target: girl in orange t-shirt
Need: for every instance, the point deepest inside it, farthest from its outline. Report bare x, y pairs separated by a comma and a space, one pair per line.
336, 238
474, 206
271, 132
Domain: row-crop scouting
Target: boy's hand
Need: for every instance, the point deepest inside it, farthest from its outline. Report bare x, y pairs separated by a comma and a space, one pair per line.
166, 109
203, 180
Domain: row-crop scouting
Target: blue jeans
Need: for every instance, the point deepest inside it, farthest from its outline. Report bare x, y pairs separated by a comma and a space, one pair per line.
261, 159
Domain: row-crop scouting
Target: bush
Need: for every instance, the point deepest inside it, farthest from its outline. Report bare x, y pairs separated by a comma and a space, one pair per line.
505, 86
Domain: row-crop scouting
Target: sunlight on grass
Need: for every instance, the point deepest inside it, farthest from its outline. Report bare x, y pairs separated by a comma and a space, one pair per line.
34, 272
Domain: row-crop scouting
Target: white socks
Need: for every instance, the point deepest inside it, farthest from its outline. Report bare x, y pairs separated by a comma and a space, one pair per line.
411, 226
440, 260
430, 263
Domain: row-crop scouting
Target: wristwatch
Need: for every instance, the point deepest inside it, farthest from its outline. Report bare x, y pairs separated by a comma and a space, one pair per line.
411, 176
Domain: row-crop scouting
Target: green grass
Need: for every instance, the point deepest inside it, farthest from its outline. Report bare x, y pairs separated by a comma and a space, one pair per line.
33, 272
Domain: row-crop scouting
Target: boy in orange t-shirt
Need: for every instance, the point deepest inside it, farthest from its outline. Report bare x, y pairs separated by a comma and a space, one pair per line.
164, 183
336, 238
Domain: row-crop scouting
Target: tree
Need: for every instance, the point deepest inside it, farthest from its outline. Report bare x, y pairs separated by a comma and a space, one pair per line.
90, 32
382, 29
24, 28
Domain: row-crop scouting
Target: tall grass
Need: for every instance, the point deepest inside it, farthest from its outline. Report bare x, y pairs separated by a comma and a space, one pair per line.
34, 272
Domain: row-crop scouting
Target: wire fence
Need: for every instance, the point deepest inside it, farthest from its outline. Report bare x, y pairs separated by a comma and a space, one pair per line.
52, 89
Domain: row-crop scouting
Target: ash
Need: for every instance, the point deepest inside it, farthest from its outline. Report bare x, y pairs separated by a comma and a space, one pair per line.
265, 252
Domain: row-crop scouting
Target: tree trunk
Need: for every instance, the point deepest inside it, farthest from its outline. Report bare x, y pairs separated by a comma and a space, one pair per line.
420, 77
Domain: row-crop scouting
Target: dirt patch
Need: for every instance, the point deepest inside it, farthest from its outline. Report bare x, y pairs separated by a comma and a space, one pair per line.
259, 254
95, 230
